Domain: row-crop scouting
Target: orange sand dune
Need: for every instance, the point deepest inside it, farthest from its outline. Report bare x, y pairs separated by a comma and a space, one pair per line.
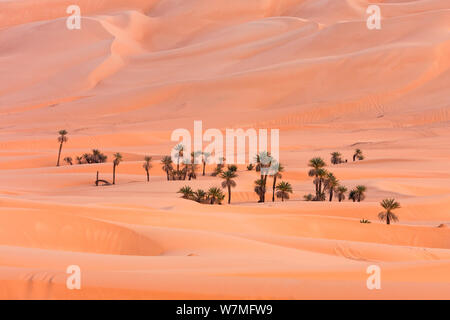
137, 70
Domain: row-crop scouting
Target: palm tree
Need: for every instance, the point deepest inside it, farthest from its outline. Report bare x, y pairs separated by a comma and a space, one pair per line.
219, 167
265, 161
228, 182
320, 181
341, 190
79, 159
97, 156
147, 166
61, 139
167, 165
277, 169
336, 158
191, 171
215, 194
187, 192
116, 162
200, 195
68, 160
358, 155
250, 167
179, 148
232, 167
205, 160
352, 195
317, 170
331, 184
258, 163
260, 189
357, 194
284, 188
389, 205
360, 190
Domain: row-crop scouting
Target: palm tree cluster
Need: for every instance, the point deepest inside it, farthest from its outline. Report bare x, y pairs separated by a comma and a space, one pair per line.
326, 183
214, 195
336, 157
185, 168
267, 166
94, 157
357, 194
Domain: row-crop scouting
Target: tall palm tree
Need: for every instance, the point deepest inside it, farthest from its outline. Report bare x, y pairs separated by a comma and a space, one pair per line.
215, 194
336, 158
147, 166
179, 148
228, 182
320, 180
68, 160
331, 184
260, 189
389, 205
358, 155
265, 163
341, 190
187, 192
191, 171
277, 169
117, 160
317, 164
283, 190
205, 160
61, 139
167, 165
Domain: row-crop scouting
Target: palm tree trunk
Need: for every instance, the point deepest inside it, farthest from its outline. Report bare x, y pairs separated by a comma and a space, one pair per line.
114, 174
59, 154
204, 168
331, 195
96, 181
148, 177
388, 221
167, 173
273, 188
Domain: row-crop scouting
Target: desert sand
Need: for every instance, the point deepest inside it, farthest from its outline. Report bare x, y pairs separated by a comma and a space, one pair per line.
139, 69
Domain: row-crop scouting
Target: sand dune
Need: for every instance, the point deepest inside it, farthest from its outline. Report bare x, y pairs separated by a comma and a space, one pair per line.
137, 70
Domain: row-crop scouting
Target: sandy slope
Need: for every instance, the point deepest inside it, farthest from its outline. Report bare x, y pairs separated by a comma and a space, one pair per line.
139, 69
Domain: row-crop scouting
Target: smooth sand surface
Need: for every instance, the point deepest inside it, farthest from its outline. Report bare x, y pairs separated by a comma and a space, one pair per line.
139, 69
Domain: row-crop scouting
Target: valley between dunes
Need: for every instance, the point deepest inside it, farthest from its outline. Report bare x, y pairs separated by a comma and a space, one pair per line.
137, 70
